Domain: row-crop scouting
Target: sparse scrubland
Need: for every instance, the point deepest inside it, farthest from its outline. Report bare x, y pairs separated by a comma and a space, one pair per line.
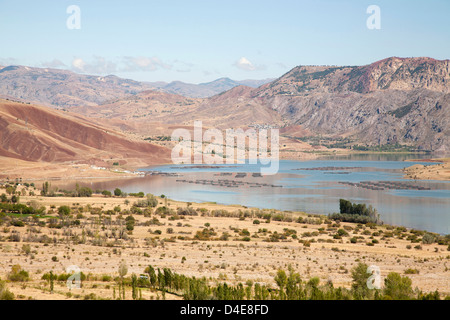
137, 246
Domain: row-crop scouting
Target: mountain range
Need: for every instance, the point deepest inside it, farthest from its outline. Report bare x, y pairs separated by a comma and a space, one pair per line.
208, 89
394, 101
65, 89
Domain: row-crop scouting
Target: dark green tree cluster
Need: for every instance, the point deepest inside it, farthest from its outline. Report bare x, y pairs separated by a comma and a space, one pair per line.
191, 288
17, 208
356, 212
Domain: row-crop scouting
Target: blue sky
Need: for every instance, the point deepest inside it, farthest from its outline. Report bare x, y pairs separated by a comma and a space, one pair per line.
199, 41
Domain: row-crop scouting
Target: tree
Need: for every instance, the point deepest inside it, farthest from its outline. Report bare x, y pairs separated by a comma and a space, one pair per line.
345, 206
117, 192
52, 281
134, 286
151, 275
359, 284
123, 270
313, 284
15, 199
10, 190
293, 285
398, 287
84, 192
281, 281
45, 188
106, 193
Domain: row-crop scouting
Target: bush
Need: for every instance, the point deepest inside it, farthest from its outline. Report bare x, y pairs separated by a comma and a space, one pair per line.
350, 218
84, 192
17, 274
150, 201
411, 271
5, 294
130, 221
428, 238
64, 210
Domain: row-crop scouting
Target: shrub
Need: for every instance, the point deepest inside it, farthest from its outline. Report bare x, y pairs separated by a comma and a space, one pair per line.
428, 238
84, 192
5, 294
411, 271
17, 274
64, 210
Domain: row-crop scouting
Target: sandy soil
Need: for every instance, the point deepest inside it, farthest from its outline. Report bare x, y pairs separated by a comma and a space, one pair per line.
440, 171
16, 169
232, 261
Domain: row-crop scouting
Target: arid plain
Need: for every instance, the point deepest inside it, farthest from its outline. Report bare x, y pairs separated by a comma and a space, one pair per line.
222, 243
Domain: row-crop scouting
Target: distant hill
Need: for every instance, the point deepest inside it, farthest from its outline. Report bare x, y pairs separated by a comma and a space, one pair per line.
395, 100
209, 89
35, 133
65, 89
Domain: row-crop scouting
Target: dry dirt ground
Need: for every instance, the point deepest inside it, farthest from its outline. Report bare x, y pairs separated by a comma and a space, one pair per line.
172, 244
440, 171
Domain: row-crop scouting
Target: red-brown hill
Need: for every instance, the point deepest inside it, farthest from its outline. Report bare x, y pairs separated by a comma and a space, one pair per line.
36, 133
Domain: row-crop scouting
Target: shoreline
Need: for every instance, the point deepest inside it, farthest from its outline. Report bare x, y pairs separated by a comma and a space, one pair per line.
15, 168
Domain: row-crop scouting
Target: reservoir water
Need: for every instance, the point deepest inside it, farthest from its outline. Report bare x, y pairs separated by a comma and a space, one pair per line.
311, 186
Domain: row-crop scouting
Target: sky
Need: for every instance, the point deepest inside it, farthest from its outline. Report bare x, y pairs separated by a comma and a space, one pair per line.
198, 41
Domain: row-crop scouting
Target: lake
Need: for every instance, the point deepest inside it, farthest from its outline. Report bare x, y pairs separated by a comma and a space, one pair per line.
311, 186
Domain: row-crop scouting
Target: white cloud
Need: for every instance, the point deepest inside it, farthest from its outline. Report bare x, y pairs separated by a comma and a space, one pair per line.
244, 64
98, 65
78, 64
